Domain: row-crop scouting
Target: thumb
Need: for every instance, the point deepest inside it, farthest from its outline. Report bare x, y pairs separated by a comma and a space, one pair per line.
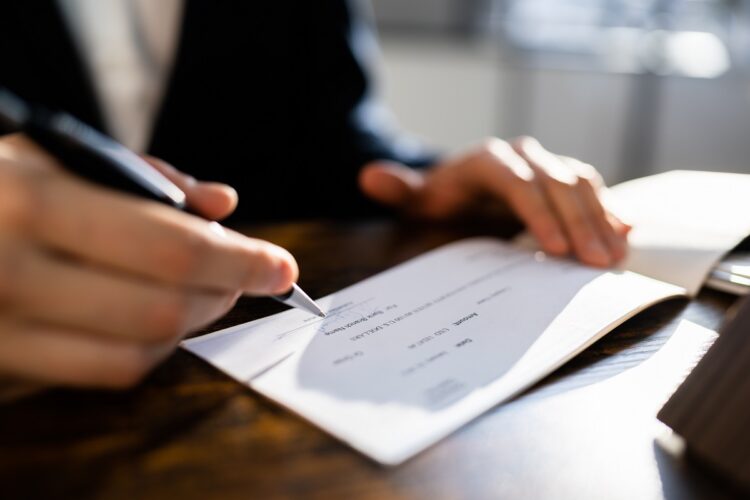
391, 183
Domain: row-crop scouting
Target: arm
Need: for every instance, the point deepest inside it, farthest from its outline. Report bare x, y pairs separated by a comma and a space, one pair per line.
343, 54
561, 200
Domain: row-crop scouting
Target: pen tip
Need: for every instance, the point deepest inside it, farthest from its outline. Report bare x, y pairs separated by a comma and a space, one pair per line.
322, 314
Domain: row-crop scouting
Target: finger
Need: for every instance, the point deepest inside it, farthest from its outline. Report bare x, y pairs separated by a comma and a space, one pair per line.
506, 175
604, 225
21, 149
391, 183
147, 238
56, 355
561, 188
622, 227
42, 287
213, 200
610, 229
588, 245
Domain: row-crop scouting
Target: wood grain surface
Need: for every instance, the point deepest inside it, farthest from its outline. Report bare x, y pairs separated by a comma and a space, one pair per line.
711, 409
188, 431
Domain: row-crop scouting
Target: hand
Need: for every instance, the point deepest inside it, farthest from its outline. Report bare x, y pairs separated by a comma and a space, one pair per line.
559, 199
96, 286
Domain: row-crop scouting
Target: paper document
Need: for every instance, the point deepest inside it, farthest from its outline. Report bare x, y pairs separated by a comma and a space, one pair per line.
683, 223
407, 356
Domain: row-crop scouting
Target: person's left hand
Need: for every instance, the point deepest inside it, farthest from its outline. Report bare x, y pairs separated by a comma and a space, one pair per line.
562, 201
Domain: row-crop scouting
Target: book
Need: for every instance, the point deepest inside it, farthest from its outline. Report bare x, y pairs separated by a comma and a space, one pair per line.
409, 355
732, 274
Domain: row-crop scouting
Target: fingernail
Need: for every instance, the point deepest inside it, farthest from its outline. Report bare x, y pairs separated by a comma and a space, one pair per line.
189, 181
625, 224
280, 280
282, 272
217, 229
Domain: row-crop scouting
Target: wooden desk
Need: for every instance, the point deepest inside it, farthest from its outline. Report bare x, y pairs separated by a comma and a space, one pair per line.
190, 432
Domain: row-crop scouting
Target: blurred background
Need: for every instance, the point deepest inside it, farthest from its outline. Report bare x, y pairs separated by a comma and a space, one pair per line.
632, 86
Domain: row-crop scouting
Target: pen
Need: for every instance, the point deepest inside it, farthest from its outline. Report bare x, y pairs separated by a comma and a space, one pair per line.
99, 158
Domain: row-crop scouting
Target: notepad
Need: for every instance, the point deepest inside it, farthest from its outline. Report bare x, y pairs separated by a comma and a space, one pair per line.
408, 356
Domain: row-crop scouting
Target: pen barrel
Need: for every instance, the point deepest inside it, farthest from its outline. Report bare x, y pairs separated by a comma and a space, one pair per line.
90, 154
296, 297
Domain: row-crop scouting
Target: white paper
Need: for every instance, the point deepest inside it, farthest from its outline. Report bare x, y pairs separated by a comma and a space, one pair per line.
410, 355
683, 223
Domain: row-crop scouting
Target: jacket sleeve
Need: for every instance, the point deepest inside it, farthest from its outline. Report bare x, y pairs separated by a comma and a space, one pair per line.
343, 57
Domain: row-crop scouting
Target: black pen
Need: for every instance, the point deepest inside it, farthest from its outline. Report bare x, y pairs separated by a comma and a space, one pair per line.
96, 157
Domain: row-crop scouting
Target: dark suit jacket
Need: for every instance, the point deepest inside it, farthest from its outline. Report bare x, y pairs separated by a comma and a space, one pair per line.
270, 97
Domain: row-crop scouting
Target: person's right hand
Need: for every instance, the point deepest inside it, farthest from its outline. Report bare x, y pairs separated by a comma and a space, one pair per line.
97, 286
